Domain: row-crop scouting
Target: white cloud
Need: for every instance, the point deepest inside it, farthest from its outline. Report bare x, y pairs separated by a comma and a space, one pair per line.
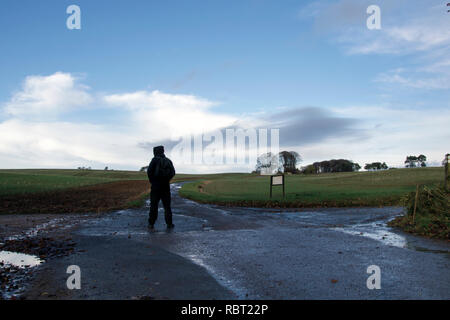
162, 116
142, 100
36, 133
406, 26
415, 81
425, 28
45, 95
26, 143
414, 36
418, 31
396, 133
152, 117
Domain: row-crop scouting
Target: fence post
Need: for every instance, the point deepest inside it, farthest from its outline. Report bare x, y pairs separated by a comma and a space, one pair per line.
415, 204
271, 178
447, 156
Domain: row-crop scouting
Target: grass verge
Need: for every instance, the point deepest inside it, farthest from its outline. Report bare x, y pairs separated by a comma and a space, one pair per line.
432, 213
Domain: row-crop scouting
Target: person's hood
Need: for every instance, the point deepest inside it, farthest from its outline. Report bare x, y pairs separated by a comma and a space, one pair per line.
158, 151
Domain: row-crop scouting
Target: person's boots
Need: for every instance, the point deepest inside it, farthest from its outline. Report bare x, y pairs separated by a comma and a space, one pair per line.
170, 226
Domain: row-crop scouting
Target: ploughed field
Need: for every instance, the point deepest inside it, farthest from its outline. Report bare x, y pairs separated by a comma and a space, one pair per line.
73, 191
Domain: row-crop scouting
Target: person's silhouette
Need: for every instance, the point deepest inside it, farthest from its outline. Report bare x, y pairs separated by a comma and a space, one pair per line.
160, 171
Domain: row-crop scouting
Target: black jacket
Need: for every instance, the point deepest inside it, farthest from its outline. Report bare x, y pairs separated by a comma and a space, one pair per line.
159, 183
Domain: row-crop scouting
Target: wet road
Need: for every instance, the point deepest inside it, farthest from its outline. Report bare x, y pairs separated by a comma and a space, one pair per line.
222, 253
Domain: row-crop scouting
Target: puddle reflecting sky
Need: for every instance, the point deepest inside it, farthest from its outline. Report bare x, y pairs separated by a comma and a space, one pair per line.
19, 259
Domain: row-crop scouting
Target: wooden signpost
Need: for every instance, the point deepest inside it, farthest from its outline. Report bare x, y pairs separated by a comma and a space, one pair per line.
276, 180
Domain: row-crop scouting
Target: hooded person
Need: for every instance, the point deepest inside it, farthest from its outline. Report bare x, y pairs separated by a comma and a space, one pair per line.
160, 171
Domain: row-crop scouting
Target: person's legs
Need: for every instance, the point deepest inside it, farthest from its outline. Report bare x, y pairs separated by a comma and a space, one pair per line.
166, 199
155, 196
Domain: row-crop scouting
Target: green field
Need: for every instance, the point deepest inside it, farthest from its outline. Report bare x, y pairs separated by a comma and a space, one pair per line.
32, 181
334, 189
236, 189
40, 180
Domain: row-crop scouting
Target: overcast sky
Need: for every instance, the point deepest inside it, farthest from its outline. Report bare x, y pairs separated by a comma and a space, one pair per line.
140, 73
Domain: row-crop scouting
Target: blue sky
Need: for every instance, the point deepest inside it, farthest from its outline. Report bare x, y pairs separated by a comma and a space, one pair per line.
229, 62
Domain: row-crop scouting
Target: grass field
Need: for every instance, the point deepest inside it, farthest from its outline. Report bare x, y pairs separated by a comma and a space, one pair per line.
84, 191
60, 190
42, 180
31, 181
335, 189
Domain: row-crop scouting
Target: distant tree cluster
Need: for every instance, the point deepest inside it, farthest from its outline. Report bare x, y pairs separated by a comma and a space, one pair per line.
266, 162
376, 166
289, 161
414, 162
309, 169
329, 166
285, 161
84, 168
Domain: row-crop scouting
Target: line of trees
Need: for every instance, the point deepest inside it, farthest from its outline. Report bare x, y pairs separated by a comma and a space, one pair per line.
287, 161
333, 165
376, 166
339, 165
89, 168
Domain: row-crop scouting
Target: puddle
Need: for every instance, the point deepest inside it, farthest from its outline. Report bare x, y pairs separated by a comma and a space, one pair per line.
376, 231
20, 260
15, 272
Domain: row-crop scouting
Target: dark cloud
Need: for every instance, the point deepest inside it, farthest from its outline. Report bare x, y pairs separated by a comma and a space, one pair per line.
168, 145
307, 125
299, 126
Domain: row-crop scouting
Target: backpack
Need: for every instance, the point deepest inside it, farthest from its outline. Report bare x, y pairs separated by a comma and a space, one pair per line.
163, 168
